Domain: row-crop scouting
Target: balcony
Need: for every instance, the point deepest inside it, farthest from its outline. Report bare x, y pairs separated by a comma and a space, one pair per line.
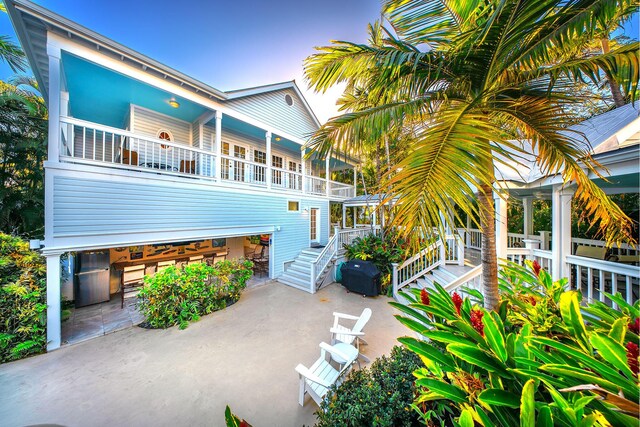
89, 143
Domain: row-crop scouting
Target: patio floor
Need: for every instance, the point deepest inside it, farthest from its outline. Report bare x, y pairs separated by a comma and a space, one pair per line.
243, 356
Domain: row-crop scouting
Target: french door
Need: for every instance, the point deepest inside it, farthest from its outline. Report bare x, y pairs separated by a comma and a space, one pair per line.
314, 225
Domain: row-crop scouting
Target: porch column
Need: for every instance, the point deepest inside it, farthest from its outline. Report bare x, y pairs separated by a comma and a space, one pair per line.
269, 159
53, 148
468, 234
527, 203
374, 219
501, 224
303, 162
327, 164
355, 216
355, 180
560, 230
218, 169
54, 327
344, 216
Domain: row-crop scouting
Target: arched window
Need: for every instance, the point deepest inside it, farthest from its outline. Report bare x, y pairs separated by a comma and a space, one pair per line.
165, 135
289, 100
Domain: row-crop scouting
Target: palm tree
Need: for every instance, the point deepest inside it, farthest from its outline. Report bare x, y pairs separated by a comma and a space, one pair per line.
465, 81
11, 52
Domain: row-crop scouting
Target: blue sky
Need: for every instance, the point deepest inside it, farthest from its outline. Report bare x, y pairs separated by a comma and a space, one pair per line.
229, 44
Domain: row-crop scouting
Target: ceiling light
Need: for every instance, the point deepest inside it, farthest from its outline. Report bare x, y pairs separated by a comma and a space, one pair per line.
278, 138
174, 103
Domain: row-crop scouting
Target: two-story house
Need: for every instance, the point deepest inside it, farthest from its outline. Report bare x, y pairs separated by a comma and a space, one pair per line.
151, 165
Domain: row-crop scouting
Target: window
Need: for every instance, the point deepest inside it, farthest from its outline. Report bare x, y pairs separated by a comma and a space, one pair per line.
289, 100
225, 148
260, 172
293, 206
277, 162
260, 157
165, 135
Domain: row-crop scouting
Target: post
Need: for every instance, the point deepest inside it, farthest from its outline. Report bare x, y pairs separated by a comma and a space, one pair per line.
561, 229
460, 240
336, 232
527, 203
443, 251
344, 216
54, 326
218, 170
355, 216
303, 162
468, 233
530, 245
53, 148
327, 164
355, 180
394, 279
545, 238
269, 159
501, 224
313, 277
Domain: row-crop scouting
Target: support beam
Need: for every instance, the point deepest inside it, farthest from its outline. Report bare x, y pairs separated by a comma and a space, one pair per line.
303, 162
269, 160
53, 147
344, 216
355, 181
527, 203
327, 165
218, 145
54, 326
560, 230
501, 224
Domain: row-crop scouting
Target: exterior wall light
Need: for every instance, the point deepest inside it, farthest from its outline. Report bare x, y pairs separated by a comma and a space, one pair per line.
174, 103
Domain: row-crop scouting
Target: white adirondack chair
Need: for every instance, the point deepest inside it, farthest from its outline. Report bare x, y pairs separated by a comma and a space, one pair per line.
317, 379
353, 336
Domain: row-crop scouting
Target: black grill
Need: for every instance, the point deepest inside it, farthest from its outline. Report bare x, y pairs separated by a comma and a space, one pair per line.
362, 277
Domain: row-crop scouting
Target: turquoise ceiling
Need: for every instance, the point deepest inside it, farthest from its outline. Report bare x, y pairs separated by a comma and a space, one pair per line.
103, 96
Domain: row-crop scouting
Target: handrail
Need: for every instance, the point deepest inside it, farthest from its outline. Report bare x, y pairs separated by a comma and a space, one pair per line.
416, 266
465, 278
608, 266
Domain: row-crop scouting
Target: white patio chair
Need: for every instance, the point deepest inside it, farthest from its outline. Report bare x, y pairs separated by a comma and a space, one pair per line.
317, 379
353, 336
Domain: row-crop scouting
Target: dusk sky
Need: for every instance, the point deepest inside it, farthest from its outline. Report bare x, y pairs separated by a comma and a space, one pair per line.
229, 44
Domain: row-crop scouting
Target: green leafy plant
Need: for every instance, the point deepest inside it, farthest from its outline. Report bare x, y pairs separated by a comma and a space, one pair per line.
233, 421
540, 359
382, 252
380, 395
23, 305
177, 296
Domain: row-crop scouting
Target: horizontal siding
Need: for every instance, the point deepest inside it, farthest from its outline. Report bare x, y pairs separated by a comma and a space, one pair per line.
148, 123
94, 207
272, 109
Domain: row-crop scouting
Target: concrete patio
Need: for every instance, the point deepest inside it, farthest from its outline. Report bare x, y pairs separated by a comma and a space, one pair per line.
243, 356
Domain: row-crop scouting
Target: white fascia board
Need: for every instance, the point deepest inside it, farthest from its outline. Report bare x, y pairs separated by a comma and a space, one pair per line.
58, 42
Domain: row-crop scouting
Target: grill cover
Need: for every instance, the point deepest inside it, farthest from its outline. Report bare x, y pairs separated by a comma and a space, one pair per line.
362, 277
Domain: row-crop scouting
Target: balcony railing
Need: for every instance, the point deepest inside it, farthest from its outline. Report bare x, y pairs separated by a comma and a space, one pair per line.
90, 143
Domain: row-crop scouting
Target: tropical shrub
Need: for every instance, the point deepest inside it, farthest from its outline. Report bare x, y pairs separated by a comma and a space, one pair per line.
533, 361
381, 252
380, 395
177, 296
23, 306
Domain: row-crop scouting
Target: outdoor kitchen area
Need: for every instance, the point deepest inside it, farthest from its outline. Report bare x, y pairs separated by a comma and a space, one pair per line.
100, 286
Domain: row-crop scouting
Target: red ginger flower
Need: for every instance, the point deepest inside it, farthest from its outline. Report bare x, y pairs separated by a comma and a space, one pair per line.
635, 326
536, 268
457, 301
633, 352
476, 321
424, 297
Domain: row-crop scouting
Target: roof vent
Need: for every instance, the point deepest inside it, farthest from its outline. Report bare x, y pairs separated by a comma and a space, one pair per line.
288, 99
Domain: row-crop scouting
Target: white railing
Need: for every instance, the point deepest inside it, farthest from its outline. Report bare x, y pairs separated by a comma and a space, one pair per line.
516, 240
454, 249
286, 179
474, 239
471, 280
347, 236
315, 185
594, 278
416, 266
241, 170
91, 143
339, 189
622, 249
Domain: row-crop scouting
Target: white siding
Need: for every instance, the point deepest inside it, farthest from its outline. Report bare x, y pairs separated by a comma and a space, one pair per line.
128, 209
148, 123
272, 109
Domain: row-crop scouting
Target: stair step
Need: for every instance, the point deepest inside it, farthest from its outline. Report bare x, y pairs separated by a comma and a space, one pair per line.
286, 278
300, 275
423, 282
306, 269
306, 258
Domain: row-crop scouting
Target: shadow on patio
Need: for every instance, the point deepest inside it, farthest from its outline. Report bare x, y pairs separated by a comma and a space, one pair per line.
243, 356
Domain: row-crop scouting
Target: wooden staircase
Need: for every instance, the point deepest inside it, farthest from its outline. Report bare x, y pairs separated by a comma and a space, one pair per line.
298, 273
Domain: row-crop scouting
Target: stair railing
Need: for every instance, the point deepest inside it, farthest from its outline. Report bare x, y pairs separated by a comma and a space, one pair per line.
472, 279
416, 266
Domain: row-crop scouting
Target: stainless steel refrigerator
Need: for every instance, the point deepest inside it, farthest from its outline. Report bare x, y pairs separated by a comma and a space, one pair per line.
91, 279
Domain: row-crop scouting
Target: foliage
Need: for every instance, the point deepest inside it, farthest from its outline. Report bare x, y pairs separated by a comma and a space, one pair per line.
177, 296
23, 148
22, 300
380, 395
381, 252
232, 421
533, 361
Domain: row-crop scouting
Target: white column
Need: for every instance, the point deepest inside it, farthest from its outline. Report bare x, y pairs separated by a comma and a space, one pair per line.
527, 203
344, 216
53, 148
468, 235
269, 159
355, 180
303, 162
545, 237
327, 164
218, 145
501, 224
355, 216
54, 327
374, 214
560, 230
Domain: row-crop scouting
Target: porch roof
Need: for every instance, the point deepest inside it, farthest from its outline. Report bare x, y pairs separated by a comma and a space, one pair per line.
367, 200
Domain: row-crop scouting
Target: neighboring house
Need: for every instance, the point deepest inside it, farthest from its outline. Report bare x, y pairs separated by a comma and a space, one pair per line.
148, 163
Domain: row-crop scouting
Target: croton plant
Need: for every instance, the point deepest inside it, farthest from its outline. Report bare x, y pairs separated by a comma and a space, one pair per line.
544, 358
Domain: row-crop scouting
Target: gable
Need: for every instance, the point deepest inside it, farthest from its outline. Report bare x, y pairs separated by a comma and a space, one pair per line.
271, 108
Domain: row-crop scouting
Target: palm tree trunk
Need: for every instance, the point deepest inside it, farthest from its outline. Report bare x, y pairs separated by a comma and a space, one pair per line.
618, 98
489, 256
